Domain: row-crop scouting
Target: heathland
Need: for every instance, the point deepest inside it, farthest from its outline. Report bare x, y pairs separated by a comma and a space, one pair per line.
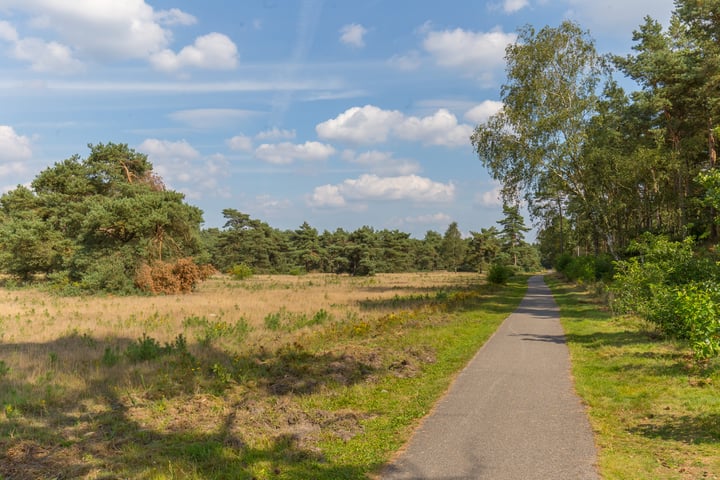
312, 376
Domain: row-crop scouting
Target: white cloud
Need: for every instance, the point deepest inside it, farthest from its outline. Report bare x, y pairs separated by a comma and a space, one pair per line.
482, 112
98, 28
327, 196
13, 147
174, 16
8, 32
268, 204
165, 150
11, 168
211, 117
46, 56
477, 53
360, 125
286, 152
441, 128
276, 134
370, 124
373, 187
213, 51
382, 163
353, 35
240, 143
409, 61
512, 6
490, 198
103, 30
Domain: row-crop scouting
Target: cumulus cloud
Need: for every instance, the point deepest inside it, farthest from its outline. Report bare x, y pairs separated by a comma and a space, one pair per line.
441, 128
166, 150
103, 30
184, 169
482, 112
241, 143
286, 152
98, 28
13, 147
47, 56
214, 51
360, 125
353, 35
512, 6
327, 196
477, 53
370, 124
372, 187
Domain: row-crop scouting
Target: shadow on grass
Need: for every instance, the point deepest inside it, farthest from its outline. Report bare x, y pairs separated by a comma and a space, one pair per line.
106, 425
699, 429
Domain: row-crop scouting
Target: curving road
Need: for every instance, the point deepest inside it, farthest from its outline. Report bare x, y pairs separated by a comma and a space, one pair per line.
512, 414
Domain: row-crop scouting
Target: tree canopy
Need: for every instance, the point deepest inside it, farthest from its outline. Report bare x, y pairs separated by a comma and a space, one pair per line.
93, 223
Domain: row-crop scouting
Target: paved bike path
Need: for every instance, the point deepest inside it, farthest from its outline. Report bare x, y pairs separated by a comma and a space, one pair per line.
512, 413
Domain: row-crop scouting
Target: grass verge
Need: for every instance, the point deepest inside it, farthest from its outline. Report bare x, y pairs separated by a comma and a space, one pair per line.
655, 413
220, 399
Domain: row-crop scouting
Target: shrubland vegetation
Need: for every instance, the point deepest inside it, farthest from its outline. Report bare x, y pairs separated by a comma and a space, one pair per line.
623, 186
275, 377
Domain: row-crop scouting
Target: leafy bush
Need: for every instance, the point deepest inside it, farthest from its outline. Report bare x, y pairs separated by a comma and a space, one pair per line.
586, 268
672, 287
499, 274
240, 271
691, 312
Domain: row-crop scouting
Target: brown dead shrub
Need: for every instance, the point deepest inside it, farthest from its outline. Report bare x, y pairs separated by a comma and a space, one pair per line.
171, 278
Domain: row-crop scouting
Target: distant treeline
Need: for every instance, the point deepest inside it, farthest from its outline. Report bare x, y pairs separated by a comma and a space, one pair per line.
365, 251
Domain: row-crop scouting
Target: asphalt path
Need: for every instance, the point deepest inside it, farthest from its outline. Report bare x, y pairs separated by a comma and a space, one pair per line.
512, 413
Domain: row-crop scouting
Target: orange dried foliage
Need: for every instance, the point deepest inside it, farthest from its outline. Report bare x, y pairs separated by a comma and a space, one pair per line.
171, 278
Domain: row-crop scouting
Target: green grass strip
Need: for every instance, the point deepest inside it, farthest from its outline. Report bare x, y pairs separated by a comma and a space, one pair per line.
655, 413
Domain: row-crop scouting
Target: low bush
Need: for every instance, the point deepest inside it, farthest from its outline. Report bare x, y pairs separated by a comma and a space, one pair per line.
240, 271
182, 276
499, 274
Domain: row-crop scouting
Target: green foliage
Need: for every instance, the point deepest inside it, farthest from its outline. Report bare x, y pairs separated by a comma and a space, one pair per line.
499, 274
147, 348
110, 357
240, 271
4, 369
671, 286
585, 268
90, 224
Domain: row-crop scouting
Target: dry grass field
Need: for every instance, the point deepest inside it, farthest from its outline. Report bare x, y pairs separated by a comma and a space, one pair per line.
262, 378
32, 316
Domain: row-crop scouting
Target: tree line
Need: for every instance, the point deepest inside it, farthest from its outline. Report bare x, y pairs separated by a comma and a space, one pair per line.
628, 180
107, 223
366, 251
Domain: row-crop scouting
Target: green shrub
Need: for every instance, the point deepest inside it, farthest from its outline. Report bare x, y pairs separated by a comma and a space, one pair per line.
144, 349
240, 271
499, 274
273, 321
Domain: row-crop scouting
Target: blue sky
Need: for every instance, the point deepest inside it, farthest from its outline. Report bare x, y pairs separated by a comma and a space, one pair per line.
336, 112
